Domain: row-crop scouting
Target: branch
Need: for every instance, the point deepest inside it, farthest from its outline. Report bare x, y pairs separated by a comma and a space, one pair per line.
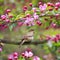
20, 19
26, 43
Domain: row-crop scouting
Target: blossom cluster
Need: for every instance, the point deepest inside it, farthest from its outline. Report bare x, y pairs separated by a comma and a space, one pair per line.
44, 13
25, 55
54, 38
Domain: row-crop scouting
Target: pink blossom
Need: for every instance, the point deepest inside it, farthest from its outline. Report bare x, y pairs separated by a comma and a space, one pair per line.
29, 21
43, 7
38, 23
23, 54
55, 39
15, 58
7, 20
57, 4
0, 49
28, 54
30, 4
35, 16
24, 8
58, 36
48, 37
20, 23
36, 58
53, 25
15, 54
3, 17
40, 3
10, 57
50, 4
34, 9
8, 10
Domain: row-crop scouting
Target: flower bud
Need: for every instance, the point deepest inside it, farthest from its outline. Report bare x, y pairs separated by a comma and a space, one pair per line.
30, 4
3, 17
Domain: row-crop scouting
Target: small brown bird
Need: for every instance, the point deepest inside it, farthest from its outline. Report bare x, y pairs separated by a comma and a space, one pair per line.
27, 37
1, 44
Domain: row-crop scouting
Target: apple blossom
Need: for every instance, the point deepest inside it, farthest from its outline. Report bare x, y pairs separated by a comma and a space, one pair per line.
0, 49
3, 17
36, 58
57, 4
28, 54
43, 7
35, 16
34, 9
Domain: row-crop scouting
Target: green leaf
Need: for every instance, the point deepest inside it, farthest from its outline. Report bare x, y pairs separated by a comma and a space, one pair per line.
57, 44
28, 12
51, 12
19, 16
11, 27
21, 58
35, 2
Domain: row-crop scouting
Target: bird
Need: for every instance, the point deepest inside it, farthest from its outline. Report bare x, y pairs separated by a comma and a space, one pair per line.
28, 37
1, 44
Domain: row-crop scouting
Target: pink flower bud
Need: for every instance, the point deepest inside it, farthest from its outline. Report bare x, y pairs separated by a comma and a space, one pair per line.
38, 23
52, 5
28, 15
24, 8
10, 57
50, 9
3, 17
48, 37
20, 23
27, 24
40, 3
23, 54
49, 4
8, 10
47, 28
56, 8
58, 36
30, 4
15, 58
10, 16
15, 54
29, 48
53, 25
5, 26
55, 39
57, 15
